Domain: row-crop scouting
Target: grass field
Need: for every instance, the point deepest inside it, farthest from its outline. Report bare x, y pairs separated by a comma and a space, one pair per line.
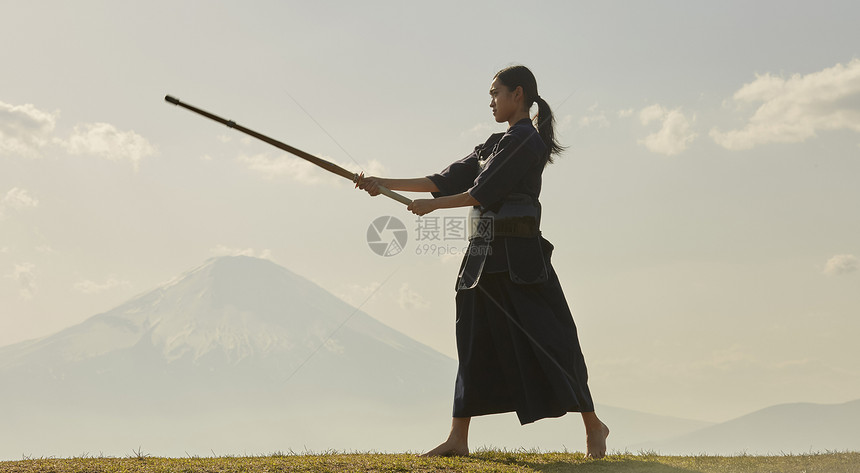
482, 461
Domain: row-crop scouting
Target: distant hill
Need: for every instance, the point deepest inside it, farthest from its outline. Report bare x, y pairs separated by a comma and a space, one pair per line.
785, 428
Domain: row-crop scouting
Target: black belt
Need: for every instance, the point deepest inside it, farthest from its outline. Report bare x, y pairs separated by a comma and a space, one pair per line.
518, 216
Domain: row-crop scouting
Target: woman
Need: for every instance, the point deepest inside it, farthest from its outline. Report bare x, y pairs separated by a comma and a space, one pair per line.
516, 340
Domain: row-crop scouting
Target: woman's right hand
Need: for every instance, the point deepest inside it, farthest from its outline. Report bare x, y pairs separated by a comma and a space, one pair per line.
369, 183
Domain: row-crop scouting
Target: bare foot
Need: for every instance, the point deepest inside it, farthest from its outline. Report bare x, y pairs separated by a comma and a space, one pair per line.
449, 448
595, 441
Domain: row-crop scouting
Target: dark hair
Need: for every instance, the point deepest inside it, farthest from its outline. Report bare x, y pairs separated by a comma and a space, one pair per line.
520, 76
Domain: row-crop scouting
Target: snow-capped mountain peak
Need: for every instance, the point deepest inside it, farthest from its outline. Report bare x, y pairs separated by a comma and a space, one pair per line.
233, 306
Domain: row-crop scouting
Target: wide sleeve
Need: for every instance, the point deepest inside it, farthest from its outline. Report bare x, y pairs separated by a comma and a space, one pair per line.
513, 159
458, 177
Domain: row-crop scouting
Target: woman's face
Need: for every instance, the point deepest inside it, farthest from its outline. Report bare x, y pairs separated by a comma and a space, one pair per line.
503, 101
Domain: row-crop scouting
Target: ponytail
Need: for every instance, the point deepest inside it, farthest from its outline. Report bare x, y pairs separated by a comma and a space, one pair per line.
545, 124
521, 76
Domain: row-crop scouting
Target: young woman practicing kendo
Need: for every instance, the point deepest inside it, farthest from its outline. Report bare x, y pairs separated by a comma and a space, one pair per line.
517, 343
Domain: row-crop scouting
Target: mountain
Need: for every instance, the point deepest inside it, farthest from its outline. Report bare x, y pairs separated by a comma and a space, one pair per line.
242, 356
237, 353
230, 310
785, 428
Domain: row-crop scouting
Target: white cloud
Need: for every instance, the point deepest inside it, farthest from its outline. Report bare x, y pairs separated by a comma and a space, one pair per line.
24, 129
92, 287
303, 171
358, 294
564, 122
17, 199
410, 300
841, 264
674, 134
594, 116
45, 249
222, 250
481, 130
334, 346
600, 120
104, 140
625, 113
25, 275
652, 113
282, 165
795, 109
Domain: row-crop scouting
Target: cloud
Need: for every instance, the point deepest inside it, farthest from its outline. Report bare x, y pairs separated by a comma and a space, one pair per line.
480, 130
303, 171
563, 123
222, 250
594, 117
410, 300
674, 134
25, 275
358, 294
104, 140
24, 129
625, 113
91, 287
283, 165
795, 109
334, 346
17, 199
841, 264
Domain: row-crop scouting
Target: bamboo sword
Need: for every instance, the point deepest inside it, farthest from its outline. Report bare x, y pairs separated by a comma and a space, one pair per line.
328, 166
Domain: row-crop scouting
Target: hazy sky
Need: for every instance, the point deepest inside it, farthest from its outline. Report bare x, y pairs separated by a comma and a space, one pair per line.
705, 215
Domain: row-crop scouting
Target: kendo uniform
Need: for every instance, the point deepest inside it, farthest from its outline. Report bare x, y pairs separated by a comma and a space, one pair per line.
516, 340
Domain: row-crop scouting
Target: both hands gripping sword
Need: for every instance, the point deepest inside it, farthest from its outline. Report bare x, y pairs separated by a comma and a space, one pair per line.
328, 166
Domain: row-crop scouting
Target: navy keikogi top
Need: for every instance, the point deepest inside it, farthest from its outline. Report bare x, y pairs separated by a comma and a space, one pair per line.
510, 162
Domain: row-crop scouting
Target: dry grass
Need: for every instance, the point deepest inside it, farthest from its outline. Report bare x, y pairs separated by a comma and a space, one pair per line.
482, 461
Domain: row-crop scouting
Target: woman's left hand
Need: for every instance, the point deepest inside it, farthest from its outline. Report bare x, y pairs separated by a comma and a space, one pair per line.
422, 206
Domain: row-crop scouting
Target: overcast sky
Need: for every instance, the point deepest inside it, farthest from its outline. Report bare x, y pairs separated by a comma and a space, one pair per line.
705, 215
